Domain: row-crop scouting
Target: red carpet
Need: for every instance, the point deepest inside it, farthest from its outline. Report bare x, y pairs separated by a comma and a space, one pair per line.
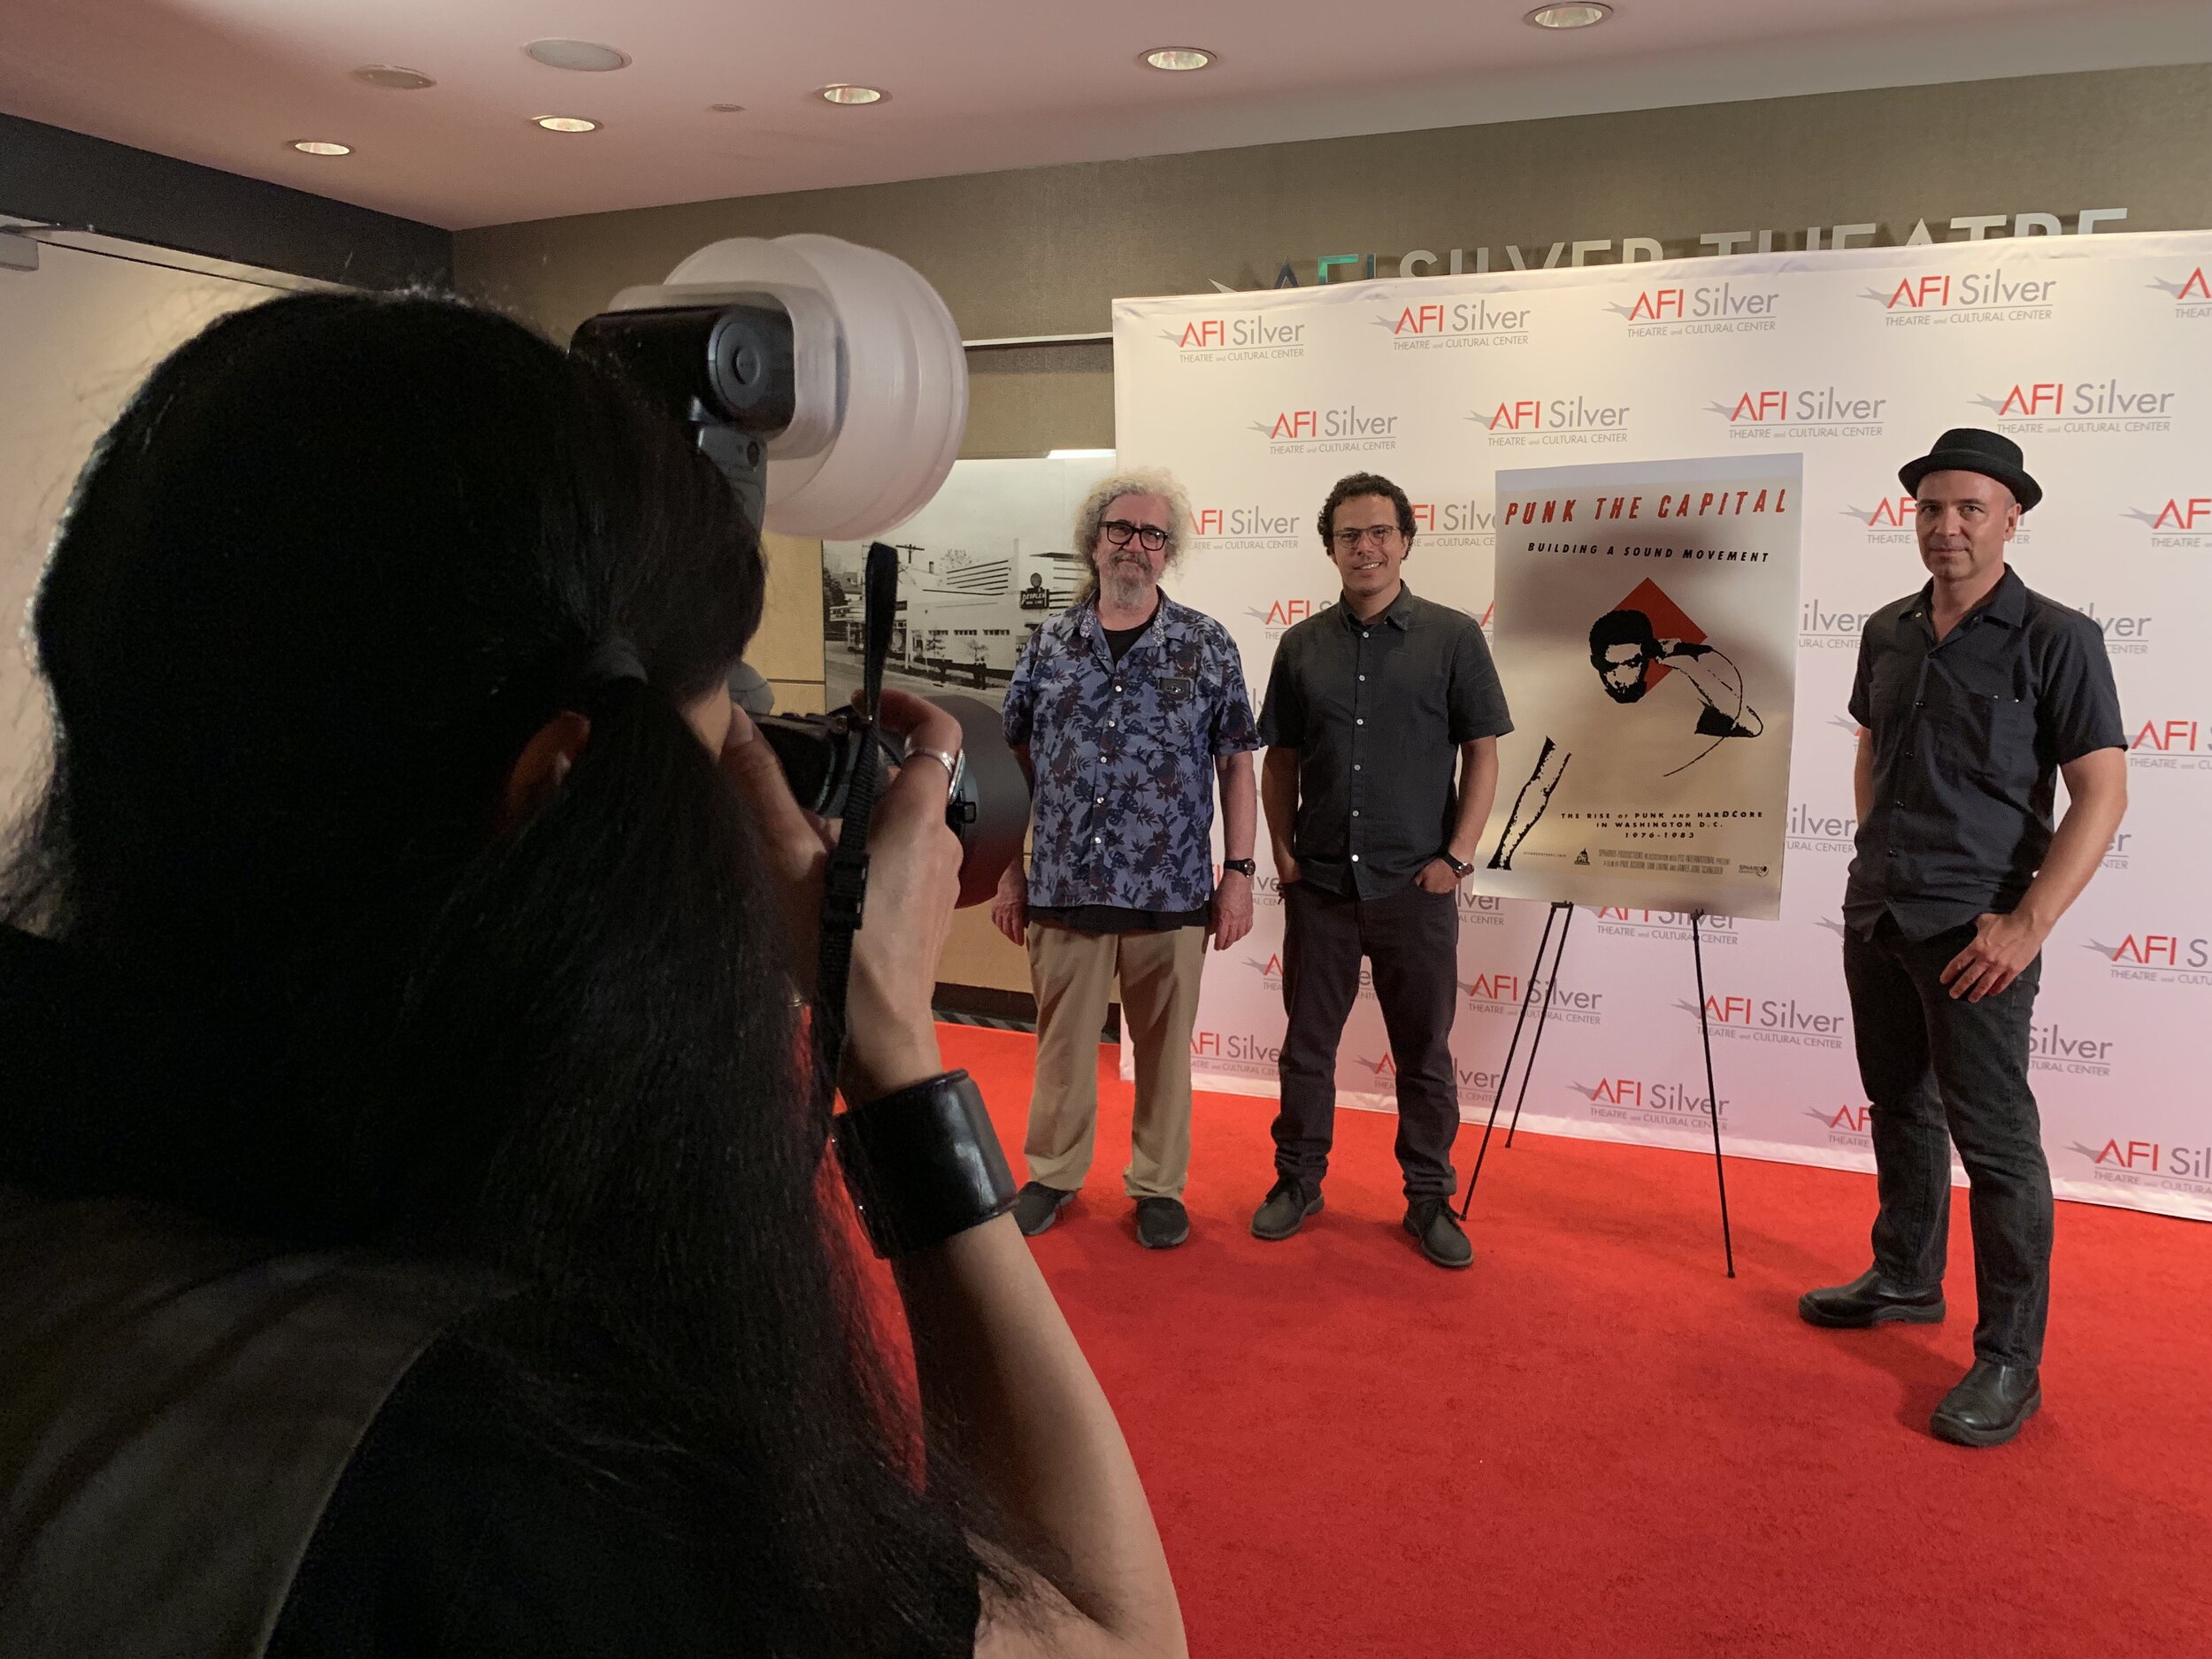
1591, 1442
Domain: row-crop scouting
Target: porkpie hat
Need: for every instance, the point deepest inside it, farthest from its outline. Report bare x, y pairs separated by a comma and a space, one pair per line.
1971, 450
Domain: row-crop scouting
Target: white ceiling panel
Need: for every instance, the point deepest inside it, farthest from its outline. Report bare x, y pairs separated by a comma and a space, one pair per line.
974, 84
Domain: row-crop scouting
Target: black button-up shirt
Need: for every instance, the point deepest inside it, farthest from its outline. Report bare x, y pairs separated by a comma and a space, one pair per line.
1377, 711
1968, 735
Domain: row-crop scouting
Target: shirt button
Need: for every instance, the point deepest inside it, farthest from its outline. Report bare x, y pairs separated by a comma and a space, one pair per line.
1355, 856
1355, 765
1100, 801
1094, 840
1359, 722
1110, 725
1354, 811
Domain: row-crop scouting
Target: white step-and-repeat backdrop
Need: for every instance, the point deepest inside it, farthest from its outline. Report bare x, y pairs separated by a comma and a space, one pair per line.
2094, 353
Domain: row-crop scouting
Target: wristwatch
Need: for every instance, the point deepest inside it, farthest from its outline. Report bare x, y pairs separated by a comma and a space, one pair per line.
1242, 867
1462, 871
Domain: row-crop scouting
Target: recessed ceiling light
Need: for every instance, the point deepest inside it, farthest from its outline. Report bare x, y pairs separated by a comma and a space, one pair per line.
842, 92
1179, 57
566, 124
586, 55
1576, 17
393, 77
320, 147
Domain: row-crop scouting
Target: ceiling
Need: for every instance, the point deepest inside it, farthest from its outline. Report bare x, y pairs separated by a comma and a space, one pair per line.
974, 84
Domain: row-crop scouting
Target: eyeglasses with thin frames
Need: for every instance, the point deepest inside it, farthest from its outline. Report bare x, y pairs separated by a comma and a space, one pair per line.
1380, 535
1149, 536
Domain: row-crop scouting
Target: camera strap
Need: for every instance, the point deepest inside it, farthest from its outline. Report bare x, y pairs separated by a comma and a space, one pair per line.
845, 885
844, 897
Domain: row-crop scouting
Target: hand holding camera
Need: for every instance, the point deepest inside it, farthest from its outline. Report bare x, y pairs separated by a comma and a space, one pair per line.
913, 879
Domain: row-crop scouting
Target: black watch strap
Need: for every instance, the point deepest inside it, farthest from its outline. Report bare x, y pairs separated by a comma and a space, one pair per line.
1462, 871
1242, 867
922, 1164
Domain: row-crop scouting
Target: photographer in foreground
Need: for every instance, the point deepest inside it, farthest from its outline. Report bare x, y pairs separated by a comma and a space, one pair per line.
415, 1235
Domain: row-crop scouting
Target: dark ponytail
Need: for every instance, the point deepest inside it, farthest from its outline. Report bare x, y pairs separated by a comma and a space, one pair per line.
334, 565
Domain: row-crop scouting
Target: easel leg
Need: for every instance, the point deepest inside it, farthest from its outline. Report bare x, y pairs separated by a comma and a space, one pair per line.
1712, 1094
1551, 983
1513, 1048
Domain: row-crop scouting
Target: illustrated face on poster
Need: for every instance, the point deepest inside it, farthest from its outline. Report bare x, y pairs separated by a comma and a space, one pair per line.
1645, 634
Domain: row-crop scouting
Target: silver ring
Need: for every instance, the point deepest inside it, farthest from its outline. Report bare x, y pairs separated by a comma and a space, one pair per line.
953, 763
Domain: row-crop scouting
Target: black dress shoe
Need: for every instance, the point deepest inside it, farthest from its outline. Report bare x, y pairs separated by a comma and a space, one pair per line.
1436, 1230
1037, 1207
1162, 1223
1285, 1211
1868, 1300
1992, 1403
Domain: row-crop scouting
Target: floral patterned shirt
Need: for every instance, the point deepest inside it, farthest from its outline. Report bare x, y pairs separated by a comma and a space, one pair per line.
1124, 755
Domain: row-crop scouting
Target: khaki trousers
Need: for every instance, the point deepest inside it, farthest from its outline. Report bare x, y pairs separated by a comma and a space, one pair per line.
1072, 974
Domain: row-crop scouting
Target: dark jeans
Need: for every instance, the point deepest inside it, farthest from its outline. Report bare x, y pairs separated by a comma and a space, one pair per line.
1940, 1071
1412, 937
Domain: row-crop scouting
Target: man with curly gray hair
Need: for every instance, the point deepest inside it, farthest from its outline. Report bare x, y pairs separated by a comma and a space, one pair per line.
1097, 507
1127, 711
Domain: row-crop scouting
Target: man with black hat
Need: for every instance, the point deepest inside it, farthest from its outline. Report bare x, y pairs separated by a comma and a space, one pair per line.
1972, 695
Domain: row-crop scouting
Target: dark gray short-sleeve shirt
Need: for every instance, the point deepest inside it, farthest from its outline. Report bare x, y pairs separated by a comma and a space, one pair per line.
1968, 735
1377, 711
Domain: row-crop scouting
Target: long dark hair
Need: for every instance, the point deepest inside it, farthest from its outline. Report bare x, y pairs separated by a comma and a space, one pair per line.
337, 561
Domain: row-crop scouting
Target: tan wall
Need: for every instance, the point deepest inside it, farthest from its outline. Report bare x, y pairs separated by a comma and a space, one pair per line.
1045, 251
787, 650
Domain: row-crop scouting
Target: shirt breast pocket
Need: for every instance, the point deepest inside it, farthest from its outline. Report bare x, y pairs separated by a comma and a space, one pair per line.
1990, 736
1182, 701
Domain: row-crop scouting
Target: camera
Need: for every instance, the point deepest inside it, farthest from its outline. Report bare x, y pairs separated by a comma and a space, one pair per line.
989, 807
827, 383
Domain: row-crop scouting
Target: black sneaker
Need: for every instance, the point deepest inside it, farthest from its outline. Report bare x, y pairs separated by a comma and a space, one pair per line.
1037, 1207
1162, 1223
1436, 1230
1288, 1203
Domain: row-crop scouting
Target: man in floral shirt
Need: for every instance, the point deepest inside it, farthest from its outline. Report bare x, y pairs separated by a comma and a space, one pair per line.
1125, 710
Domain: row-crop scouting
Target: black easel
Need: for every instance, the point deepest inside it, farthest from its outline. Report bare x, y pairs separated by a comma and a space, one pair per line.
1560, 909
1564, 913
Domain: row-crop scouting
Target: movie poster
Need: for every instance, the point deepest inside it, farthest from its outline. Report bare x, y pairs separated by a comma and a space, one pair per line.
1646, 632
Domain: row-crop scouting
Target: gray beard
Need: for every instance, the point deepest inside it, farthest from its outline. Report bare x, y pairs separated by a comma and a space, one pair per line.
1126, 588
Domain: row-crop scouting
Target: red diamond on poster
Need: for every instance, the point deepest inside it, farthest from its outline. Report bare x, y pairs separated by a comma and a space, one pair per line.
1669, 621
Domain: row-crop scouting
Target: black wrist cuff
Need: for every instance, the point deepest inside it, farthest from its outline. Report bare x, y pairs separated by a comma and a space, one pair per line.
922, 1164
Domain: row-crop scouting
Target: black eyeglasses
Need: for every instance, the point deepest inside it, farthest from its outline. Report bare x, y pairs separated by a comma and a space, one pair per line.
1150, 536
